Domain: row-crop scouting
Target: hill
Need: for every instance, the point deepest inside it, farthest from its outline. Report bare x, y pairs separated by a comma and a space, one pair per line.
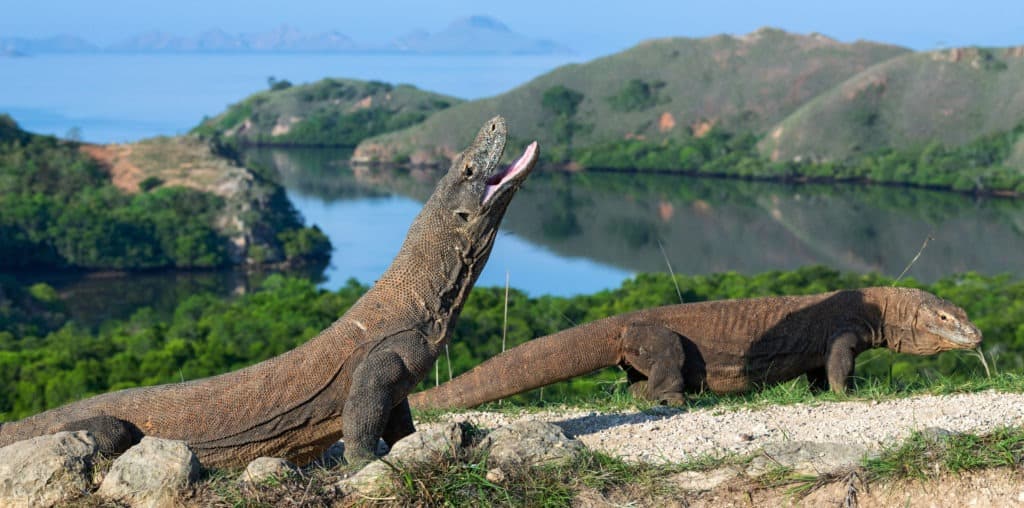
330, 112
161, 203
950, 97
667, 88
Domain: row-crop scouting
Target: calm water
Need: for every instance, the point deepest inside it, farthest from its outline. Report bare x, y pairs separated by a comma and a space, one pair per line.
117, 97
576, 233
564, 234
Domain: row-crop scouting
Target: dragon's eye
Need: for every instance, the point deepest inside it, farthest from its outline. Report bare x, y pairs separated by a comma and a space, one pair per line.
468, 171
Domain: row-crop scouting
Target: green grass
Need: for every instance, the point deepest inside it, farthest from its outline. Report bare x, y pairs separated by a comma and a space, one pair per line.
463, 481
927, 455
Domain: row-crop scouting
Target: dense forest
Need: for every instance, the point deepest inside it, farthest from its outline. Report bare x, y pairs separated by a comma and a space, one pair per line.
60, 209
46, 360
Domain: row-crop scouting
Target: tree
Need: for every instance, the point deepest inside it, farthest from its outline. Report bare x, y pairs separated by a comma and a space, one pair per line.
562, 103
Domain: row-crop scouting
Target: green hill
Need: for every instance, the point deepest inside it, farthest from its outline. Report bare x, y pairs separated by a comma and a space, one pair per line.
330, 112
159, 203
951, 97
666, 88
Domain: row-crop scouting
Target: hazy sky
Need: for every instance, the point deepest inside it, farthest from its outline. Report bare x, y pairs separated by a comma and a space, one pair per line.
588, 27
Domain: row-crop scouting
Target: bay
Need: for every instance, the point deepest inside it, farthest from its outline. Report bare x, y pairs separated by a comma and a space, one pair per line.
564, 234
116, 97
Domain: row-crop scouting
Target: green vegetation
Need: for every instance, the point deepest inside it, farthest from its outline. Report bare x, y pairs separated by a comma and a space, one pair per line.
638, 95
976, 166
779, 106
61, 210
330, 112
208, 335
950, 97
741, 84
928, 455
461, 480
561, 104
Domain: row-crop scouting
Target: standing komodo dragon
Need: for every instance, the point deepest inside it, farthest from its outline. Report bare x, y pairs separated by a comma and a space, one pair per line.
725, 346
352, 379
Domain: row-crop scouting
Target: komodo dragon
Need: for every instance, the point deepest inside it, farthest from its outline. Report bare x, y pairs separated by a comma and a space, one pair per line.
725, 346
350, 380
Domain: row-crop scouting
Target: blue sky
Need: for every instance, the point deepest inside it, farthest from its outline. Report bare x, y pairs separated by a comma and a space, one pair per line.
589, 27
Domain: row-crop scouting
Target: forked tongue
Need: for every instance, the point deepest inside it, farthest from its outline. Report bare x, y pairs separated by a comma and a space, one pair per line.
497, 181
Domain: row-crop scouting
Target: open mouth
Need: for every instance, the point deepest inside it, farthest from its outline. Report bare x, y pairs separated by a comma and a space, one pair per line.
518, 168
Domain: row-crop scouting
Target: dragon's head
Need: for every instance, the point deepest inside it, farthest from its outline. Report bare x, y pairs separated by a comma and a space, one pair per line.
933, 325
473, 196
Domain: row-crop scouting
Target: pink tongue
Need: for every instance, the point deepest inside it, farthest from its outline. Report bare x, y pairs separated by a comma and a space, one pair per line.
496, 181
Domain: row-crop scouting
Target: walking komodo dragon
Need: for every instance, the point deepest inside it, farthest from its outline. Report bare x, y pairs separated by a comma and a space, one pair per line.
352, 379
725, 346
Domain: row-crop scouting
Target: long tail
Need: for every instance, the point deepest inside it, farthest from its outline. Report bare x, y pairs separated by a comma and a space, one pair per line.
540, 362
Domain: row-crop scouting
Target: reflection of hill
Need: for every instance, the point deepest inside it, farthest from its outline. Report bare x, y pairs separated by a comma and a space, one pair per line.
709, 225
715, 225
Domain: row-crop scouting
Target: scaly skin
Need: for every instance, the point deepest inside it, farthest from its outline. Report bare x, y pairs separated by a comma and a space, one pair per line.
352, 379
725, 346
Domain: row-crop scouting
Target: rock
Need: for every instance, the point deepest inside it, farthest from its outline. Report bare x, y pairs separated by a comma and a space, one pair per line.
529, 442
699, 481
266, 468
495, 475
424, 446
151, 473
807, 457
46, 470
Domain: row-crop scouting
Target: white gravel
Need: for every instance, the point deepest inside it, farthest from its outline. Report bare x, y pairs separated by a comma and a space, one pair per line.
674, 435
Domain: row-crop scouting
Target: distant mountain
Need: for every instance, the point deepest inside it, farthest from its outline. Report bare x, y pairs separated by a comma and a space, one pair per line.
19, 46
286, 38
154, 41
283, 38
475, 34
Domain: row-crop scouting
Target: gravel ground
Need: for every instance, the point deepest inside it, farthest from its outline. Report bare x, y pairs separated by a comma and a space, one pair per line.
674, 435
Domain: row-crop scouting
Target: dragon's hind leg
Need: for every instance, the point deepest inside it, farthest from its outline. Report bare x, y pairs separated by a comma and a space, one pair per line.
113, 436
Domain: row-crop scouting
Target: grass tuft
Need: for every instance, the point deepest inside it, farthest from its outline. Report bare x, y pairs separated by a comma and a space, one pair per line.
927, 455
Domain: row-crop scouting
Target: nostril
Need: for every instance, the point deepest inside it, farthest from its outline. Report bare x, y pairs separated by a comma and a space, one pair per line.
494, 127
463, 215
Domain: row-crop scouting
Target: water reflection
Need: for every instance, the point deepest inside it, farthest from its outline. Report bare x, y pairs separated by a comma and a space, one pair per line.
366, 213
620, 221
578, 233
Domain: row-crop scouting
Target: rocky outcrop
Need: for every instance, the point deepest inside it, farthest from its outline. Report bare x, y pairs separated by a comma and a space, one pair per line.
47, 470
151, 473
528, 443
254, 213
